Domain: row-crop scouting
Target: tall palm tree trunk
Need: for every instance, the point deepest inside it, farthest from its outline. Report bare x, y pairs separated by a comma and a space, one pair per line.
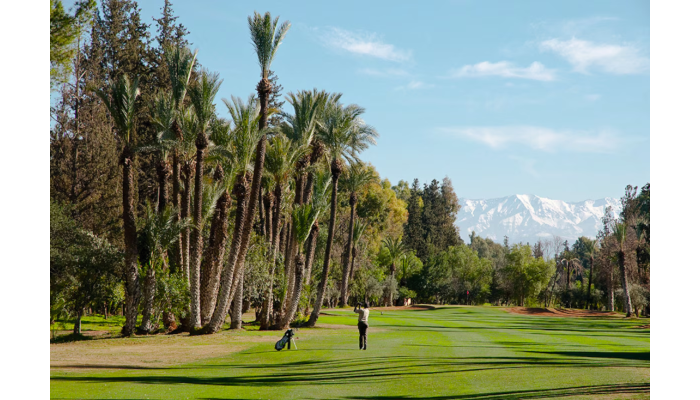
321, 290
625, 288
176, 207
133, 289
268, 202
228, 276
185, 213
213, 258
296, 296
267, 303
391, 292
611, 292
196, 256
237, 306
590, 282
348, 251
149, 296
162, 172
310, 250
261, 211
290, 259
352, 263
147, 325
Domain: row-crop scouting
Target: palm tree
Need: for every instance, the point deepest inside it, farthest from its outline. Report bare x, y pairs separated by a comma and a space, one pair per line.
300, 128
187, 149
120, 99
180, 62
221, 136
322, 100
303, 220
571, 263
620, 234
344, 135
237, 158
395, 250
408, 263
640, 239
159, 232
202, 95
319, 204
266, 40
591, 248
280, 164
162, 117
359, 230
322, 182
357, 177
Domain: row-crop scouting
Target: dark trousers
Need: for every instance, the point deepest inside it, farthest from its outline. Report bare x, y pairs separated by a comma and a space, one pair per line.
362, 326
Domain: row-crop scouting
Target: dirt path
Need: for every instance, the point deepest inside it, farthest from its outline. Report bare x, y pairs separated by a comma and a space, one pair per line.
561, 312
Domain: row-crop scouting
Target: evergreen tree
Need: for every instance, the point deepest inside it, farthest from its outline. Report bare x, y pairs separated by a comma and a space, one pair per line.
276, 100
413, 230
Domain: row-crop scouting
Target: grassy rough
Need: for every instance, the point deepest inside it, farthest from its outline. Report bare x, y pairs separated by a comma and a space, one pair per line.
446, 353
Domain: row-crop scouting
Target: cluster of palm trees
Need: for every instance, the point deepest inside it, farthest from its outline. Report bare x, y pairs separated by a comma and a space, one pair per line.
277, 179
604, 254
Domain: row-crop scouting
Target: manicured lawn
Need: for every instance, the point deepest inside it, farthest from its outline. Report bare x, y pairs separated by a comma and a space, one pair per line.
445, 353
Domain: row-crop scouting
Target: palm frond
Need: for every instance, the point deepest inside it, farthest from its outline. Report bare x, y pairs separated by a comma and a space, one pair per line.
202, 94
358, 176
266, 38
120, 100
180, 62
358, 230
395, 248
303, 217
245, 134
619, 230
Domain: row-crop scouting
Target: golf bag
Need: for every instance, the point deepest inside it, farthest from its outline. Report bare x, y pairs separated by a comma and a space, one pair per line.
286, 340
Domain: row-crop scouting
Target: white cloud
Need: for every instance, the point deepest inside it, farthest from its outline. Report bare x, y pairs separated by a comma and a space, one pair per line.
610, 58
505, 69
540, 138
366, 44
592, 97
419, 85
414, 85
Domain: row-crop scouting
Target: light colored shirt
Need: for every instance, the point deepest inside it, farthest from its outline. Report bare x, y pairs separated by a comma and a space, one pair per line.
364, 314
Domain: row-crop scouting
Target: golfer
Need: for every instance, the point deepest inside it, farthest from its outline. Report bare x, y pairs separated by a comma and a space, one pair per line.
362, 323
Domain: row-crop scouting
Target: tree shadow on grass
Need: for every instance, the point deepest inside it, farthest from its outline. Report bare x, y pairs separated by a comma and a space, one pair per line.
640, 355
344, 371
550, 329
595, 390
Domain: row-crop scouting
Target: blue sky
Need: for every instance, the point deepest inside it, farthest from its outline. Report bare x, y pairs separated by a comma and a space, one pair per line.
541, 97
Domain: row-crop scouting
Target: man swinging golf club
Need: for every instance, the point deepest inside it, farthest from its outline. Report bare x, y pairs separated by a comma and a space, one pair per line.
362, 323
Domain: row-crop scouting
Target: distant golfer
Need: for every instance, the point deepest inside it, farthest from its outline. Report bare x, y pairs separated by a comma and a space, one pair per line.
362, 323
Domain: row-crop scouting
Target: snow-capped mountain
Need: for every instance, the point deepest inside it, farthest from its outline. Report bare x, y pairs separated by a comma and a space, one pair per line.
527, 218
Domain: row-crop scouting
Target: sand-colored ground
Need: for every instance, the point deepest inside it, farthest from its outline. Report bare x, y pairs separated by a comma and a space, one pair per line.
561, 312
144, 352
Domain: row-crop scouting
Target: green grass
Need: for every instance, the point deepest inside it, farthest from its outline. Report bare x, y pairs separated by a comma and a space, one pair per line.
446, 353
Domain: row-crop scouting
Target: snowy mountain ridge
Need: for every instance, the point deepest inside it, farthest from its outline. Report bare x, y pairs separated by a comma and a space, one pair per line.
527, 218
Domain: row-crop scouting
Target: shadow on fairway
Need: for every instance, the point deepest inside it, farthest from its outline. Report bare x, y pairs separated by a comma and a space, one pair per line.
596, 390
347, 371
642, 355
